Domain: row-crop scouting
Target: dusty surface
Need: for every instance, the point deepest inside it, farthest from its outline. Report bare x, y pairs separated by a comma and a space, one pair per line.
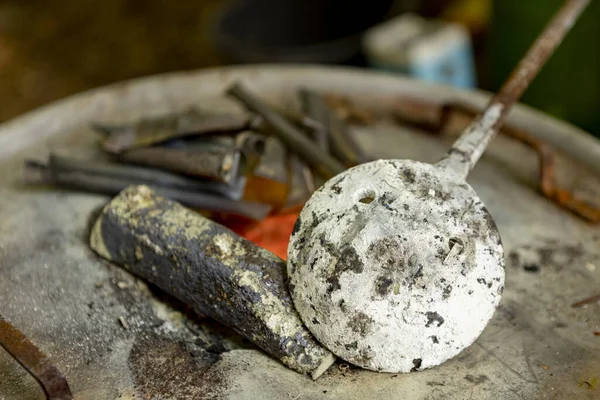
396, 266
69, 301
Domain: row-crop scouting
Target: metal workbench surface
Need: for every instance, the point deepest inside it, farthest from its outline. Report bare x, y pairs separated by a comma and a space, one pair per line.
72, 304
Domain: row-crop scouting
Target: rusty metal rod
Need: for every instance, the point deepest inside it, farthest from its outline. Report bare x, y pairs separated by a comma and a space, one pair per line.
36, 363
469, 147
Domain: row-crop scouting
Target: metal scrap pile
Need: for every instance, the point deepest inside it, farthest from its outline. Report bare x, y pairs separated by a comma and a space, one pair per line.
267, 161
238, 164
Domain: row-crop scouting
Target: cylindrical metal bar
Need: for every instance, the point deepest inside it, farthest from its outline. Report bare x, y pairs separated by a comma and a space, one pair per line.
207, 266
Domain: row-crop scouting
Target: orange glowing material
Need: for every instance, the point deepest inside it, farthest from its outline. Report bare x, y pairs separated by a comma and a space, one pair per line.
272, 233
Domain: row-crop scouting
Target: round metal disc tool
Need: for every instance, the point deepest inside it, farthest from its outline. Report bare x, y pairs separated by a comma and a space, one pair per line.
397, 265
396, 273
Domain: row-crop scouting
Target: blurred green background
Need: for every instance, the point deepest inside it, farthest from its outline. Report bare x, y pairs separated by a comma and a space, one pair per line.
568, 86
53, 48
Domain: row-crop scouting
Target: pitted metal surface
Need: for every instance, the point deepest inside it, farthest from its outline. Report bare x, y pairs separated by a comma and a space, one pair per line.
73, 305
396, 266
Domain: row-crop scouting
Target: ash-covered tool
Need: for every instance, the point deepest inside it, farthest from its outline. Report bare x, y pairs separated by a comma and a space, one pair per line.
396, 265
37, 364
221, 275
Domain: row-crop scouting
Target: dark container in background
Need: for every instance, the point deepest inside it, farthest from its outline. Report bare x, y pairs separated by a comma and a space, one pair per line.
297, 31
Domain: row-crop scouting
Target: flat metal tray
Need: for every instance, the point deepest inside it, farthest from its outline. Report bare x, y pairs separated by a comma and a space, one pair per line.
71, 303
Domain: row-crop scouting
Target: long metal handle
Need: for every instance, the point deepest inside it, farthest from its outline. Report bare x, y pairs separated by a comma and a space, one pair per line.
469, 147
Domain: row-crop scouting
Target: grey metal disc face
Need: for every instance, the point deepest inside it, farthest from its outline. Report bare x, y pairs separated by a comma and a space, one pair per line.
394, 266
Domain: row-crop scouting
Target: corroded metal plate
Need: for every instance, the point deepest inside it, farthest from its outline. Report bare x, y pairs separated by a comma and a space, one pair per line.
114, 337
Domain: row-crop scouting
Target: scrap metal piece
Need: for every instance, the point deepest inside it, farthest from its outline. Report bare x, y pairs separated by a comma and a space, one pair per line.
316, 111
278, 166
252, 146
301, 120
549, 187
268, 183
293, 137
39, 173
35, 362
301, 183
220, 165
150, 176
340, 141
205, 265
343, 145
151, 131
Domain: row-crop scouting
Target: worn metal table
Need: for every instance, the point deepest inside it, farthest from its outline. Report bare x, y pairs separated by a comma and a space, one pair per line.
70, 302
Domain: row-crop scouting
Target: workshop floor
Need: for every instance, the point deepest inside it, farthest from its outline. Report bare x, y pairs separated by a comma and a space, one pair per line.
50, 49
